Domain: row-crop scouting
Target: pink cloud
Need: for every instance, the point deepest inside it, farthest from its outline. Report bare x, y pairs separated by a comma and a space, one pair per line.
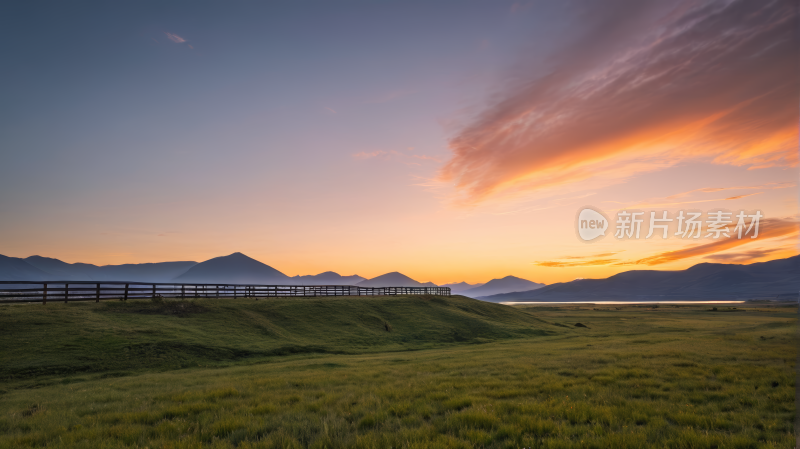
175, 38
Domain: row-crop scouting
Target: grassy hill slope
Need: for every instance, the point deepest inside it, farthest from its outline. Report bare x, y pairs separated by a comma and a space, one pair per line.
117, 338
634, 377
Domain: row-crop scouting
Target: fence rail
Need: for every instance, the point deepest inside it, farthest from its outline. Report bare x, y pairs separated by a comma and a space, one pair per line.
29, 291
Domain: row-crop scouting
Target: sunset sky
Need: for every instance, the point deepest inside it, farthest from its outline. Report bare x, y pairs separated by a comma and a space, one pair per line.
450, 141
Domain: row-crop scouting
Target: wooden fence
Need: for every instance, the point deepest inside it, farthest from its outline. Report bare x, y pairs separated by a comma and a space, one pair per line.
27, 291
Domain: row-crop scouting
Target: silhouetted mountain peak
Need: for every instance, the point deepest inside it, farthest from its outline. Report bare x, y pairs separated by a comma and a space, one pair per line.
236, 256
235, 268
456, 287
16, 269
505, 284
393, 279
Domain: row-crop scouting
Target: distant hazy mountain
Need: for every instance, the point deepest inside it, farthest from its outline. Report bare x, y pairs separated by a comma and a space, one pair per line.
503, 285
393, 279
59, 270
143, 272
705, 281
460, 286
147, 272
233, 269
16, 269
327, 278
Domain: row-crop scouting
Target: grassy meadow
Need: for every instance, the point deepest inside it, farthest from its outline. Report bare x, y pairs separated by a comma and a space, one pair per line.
400, 372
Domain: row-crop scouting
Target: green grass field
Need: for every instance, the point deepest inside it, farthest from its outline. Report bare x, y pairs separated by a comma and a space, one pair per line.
379, 372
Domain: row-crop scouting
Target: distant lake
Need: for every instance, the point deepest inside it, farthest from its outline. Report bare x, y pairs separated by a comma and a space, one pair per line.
514, 303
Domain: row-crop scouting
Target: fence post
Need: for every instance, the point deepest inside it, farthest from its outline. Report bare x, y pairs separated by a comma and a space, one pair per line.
234, 292
44, 294
126, 292
66, 293
98, 292
154, 290
183, 292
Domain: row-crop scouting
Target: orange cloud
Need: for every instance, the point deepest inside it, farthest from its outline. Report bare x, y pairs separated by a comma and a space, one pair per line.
740, 196
742, 257
768, 228
593, 255
654, 205
679, 198
707, 81
583, 263
577, 261
768, 186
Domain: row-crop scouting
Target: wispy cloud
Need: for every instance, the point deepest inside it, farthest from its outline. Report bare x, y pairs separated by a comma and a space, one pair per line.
706, 81
740, 257
175, 38
768, 186
582, 263
771, 228
676, 203
687, 197
591, 256
768, 228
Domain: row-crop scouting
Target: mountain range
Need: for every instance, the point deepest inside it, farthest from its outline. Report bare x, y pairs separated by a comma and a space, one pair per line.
235, 268
144, 272
706, 281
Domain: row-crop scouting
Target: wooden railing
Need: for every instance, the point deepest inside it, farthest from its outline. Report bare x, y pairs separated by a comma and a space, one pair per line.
28, 291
